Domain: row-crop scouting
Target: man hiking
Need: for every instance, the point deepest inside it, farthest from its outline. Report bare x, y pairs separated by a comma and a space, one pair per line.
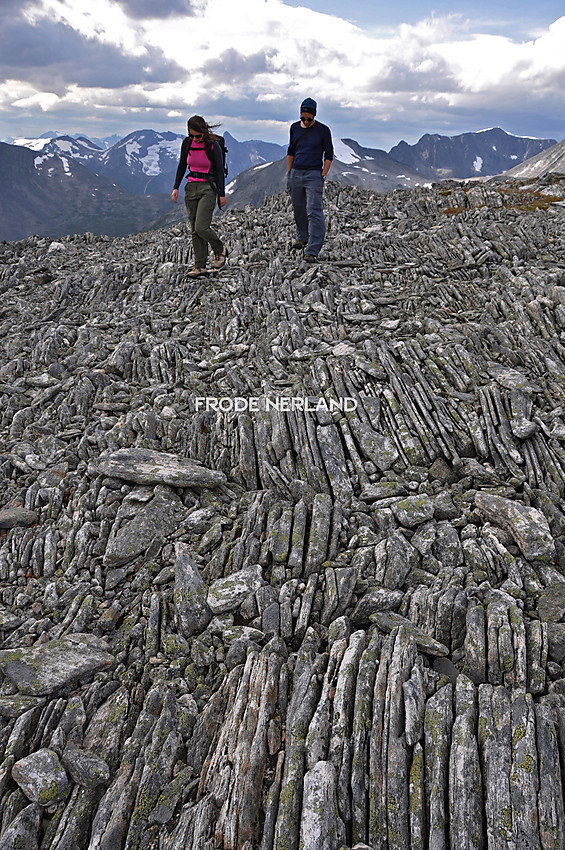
309, 157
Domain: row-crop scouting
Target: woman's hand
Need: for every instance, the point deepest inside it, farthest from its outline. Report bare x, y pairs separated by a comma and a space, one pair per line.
175, 196
222, 200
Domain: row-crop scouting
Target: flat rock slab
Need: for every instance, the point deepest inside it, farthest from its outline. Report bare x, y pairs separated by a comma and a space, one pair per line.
527, 525
18, 704
382, 490
387, 621
511, 379
42, 670
145, 466
374, 600
12, 517
227, 594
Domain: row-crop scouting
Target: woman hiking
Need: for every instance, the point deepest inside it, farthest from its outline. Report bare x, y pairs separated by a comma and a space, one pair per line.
202, 156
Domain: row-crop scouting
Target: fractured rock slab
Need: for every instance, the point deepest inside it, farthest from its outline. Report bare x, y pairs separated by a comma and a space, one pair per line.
159, 517
42, 777
145, 466
528, 526
192, 611
42, 670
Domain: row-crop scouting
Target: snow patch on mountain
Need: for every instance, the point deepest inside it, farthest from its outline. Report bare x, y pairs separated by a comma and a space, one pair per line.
32, 144
132, 148
151, 162
344, 153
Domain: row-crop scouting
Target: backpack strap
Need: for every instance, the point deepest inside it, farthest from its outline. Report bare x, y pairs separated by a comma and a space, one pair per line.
216, 176
301, 137
205, 175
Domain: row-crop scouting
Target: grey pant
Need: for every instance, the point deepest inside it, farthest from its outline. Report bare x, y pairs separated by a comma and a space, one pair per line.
306, 189
200, 200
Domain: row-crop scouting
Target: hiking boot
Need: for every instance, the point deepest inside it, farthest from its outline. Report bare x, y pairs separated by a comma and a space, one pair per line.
220, 259
196, 272
310, 258
298, 244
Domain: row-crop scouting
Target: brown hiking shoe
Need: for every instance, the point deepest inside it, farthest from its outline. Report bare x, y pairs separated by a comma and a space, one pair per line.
220, 259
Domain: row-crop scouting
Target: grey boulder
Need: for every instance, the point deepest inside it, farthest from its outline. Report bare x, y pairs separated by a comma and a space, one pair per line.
86, 768
159, 517
42, 777
42, 670
146, 466
527, 525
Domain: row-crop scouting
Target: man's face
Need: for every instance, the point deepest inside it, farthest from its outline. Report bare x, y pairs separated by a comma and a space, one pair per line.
307, 118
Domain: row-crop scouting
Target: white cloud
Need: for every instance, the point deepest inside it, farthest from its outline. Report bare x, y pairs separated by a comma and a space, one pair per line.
44, 100
252, 61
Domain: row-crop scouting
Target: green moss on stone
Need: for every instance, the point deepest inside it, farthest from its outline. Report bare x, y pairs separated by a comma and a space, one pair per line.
48, 794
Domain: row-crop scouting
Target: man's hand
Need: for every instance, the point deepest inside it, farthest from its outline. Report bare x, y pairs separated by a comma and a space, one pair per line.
175, 196
222, 201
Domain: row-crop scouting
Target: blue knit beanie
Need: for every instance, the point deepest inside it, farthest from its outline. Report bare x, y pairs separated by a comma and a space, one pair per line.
309, 105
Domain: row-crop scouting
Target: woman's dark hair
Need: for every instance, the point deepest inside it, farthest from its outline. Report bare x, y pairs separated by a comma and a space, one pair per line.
198, 125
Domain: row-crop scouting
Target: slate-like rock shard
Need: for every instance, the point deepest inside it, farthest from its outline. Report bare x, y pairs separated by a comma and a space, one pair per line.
388, 620
11, 517
24, 829
43, 670
341, 627
192, 611
42, 777
527, 525
158, 518
145, 466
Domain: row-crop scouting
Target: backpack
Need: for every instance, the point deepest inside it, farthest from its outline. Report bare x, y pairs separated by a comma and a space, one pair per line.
222, 143
208, 151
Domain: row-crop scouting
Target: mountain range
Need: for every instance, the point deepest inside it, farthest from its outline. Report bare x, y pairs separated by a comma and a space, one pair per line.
145, 162
484, 153
56, 195
47, 181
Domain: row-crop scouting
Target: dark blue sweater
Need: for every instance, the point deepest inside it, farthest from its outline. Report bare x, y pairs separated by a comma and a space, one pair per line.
316, 146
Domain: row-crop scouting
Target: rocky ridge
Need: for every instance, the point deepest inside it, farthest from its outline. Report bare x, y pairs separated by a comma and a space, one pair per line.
297, 623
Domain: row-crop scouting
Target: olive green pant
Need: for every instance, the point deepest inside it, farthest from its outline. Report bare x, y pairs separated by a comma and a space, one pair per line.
200, 200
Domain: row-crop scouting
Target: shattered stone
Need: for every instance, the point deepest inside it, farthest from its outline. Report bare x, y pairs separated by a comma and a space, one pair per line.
42, 777
145, 466
43, 670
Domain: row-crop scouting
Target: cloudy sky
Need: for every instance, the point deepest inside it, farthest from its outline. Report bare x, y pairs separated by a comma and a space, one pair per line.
380, 71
